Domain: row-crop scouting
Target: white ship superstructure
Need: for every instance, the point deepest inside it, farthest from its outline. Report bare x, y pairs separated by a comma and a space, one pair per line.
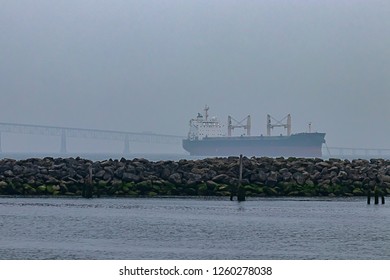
203, 127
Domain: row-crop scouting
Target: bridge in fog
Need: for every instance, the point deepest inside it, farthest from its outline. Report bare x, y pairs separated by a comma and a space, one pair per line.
64, 132
152, 138
350, 153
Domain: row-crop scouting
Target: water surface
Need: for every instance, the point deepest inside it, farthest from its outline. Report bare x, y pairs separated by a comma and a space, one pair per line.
193, 228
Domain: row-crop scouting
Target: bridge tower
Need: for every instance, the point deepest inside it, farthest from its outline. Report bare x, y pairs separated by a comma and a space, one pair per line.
63, 142
126, 149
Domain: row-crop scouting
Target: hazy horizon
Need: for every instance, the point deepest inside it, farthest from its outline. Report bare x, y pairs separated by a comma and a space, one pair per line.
152, 65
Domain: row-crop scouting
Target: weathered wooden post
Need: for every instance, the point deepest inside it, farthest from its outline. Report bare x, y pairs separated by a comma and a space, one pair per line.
240, 191
87, 187
377, 192
84, 188
376, 195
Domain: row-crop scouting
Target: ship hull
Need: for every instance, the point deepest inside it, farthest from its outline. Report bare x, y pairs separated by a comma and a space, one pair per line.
295, 145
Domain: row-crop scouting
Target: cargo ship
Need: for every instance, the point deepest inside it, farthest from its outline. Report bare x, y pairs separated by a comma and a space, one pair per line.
207, 138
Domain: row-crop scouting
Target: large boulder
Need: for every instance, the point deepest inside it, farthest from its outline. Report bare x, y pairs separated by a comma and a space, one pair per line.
175, 178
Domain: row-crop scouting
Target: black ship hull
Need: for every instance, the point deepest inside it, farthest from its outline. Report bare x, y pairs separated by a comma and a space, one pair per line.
295, 145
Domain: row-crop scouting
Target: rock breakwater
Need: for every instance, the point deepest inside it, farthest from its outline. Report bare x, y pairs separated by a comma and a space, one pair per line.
207, 177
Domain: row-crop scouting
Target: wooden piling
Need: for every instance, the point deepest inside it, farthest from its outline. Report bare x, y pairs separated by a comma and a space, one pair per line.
376, 195
240, 173
240, 191
241, 194
87, 188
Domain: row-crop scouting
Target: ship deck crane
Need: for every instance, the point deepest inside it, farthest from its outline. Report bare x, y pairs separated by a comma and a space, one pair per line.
239, 124
286, 125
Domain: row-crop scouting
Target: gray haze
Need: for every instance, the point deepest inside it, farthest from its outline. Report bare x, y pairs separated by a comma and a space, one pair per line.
153, 65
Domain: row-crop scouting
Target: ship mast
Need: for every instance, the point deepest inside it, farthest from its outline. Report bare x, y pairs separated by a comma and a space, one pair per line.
206, 109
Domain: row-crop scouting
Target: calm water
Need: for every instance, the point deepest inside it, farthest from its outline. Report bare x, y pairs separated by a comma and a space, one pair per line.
188, 228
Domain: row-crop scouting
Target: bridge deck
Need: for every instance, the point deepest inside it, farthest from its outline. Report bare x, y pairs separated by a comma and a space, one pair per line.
154, 138
144, 137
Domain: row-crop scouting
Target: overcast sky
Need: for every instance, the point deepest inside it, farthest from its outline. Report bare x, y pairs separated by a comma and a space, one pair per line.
153, 65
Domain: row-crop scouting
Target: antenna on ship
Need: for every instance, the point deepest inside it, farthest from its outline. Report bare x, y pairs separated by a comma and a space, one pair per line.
206, 114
